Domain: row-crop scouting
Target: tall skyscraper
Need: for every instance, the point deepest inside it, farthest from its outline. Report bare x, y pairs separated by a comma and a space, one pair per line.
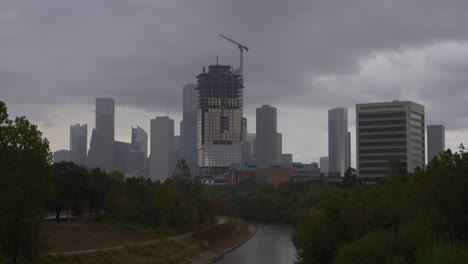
266, 143
251, 139
324, 165
139, 140
246, 147
79, 144
101, 151
389, 135
339, 153
435, 141
188, 128
219, 135
279, 147
162, 161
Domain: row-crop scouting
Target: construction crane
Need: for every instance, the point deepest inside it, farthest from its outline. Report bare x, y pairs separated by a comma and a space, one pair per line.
241, 49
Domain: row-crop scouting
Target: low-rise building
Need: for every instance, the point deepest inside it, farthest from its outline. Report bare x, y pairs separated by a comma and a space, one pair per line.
258, 173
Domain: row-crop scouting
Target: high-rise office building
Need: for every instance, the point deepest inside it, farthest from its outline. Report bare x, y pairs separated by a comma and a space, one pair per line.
79, 144
139, 141
267, 138
279, 147
251, 139
339, 153
101, 151
219, 119
435, 141
324, 165
162, 161
389, 135
246, 147
188, 128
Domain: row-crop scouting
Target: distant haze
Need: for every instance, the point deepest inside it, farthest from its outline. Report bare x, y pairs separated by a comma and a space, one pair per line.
305, 57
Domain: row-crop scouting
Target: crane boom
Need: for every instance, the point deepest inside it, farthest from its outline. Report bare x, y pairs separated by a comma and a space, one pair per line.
241, 49
233, 41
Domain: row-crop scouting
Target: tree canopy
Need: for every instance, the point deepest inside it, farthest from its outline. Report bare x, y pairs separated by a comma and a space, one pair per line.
24, 187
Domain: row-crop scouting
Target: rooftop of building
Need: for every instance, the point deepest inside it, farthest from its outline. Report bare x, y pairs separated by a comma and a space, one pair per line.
394, 104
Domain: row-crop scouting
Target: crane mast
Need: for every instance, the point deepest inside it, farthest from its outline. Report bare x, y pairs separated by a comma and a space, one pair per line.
241, 49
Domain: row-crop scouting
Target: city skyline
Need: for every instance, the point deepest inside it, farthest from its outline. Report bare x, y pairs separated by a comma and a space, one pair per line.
54, 77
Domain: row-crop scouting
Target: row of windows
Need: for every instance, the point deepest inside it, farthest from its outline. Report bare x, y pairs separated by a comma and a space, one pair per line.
224, 101
382, 122
388, 157
376, 165
384, 172
382, 129
416, 116
384, 143
384, 136
382, 115
388, 150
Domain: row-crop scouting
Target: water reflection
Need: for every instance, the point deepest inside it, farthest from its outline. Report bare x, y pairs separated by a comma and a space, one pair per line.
271, 244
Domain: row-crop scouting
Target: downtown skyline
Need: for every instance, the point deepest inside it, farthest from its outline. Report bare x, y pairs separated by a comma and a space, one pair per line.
56, 84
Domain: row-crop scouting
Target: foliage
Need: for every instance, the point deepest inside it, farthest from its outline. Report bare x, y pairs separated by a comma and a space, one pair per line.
390, 221
78, 189
178, 204
386, 222
24, 187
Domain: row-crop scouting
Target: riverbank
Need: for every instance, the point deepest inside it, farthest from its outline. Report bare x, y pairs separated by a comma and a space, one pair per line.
202, 246
226, 246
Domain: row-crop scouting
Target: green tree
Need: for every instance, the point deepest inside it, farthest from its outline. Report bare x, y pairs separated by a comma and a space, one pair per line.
25, 187
350, 177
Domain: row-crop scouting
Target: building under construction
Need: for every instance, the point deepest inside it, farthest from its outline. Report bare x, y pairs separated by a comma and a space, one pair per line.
219, 120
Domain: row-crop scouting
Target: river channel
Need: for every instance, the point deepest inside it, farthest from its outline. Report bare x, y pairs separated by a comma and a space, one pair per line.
271, 244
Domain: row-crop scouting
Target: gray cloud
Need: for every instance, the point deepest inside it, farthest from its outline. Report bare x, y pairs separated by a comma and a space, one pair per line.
309, 55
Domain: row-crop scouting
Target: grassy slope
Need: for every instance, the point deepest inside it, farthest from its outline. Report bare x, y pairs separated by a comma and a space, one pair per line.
171, 250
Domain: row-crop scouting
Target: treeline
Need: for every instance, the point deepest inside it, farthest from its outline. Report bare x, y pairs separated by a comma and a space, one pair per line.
416, 218
179, 203
422, 218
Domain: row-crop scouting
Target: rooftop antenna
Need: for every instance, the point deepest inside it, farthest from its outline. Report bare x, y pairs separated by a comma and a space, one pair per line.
241, 49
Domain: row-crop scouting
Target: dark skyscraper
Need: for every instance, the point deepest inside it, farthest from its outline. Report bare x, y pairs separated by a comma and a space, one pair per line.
139, 141
101, 151
162, 158
188, 127
78, 144
435, 141
219, 118
266, 143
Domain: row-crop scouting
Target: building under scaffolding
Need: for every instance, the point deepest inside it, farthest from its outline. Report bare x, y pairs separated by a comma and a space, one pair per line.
219, 120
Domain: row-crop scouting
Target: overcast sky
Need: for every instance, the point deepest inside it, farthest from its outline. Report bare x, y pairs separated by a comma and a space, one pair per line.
305, 57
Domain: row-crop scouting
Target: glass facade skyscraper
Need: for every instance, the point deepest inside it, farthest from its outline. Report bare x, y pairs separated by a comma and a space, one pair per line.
219, 120
79, 144
339, 153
